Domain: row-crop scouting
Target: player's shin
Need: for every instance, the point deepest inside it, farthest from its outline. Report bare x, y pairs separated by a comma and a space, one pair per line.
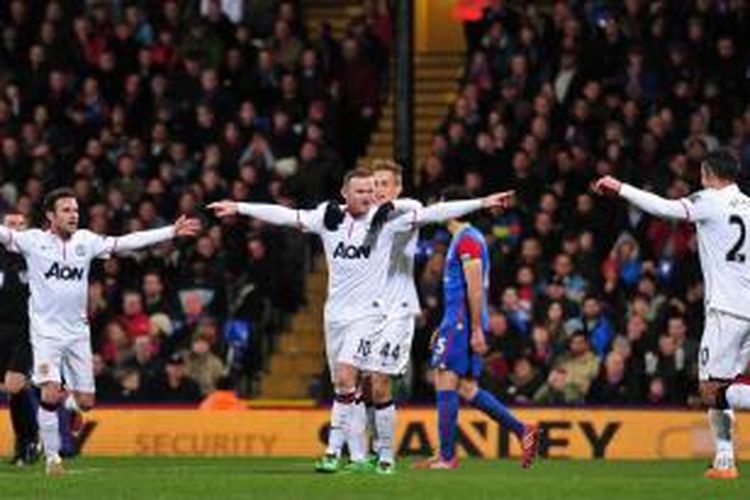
447, 403
367, 397
340, 417
372, 425
385, 425
23, 417
356, 438
489, 404
722, 430
49, 429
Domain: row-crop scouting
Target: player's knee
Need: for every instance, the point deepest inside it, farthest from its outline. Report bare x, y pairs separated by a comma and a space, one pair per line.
467, 389
346, 378
85, 400
50, 400
14, 382
709, 392
381, 394
365, 385
14, 388
446, 380
381, 388
345, 386
52, 394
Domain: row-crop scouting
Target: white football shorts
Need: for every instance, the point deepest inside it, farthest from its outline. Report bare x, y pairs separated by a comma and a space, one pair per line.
68, 360
725, 346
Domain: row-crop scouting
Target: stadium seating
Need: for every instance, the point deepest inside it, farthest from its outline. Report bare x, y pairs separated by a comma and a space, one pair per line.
552, 96
152, 108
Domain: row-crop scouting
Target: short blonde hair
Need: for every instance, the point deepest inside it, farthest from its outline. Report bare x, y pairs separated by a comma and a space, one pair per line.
386, 165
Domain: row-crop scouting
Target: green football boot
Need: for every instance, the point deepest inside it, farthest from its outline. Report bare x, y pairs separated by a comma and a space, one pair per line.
328, 464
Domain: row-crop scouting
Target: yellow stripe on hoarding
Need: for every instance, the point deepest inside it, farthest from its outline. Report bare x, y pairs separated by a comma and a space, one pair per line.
571, 433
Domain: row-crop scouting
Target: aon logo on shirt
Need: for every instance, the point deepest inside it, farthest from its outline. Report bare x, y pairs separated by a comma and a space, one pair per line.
65, 273
351, 251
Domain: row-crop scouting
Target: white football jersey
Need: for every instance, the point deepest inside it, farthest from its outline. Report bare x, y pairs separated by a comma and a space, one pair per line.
401, 297
722, 220
58, 272
357, 267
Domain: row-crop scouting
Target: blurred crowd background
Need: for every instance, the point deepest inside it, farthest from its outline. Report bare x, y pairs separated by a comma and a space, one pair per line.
150, 108
593, 302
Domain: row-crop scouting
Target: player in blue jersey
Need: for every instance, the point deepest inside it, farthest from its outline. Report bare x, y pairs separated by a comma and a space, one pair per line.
459, 344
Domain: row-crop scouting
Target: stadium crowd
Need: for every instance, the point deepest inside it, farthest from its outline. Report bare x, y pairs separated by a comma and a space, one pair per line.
592, 302
153, 108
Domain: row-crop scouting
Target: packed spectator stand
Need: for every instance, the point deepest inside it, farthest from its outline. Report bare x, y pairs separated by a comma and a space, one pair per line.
593, 303
153, 108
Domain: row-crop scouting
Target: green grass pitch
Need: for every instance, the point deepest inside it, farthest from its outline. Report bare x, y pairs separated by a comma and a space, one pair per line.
278, 478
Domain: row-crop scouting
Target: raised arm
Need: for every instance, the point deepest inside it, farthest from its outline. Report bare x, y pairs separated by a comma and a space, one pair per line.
272, 214
648, 202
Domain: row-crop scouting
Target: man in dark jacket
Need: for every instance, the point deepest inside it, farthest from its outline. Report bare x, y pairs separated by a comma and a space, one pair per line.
15, 349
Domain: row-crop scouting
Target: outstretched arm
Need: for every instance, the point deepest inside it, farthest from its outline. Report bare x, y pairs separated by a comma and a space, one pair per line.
140, 239
272, 214
403, 205
446, 210
648, 202
443, 211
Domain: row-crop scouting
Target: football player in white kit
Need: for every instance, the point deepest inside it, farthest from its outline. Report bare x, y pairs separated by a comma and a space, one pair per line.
391, 342
58, 262
357, 250
721, 214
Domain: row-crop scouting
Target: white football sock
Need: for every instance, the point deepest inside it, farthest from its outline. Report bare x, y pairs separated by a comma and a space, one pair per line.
340, 416
355, 432
722, 430
49, 430
385, 423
